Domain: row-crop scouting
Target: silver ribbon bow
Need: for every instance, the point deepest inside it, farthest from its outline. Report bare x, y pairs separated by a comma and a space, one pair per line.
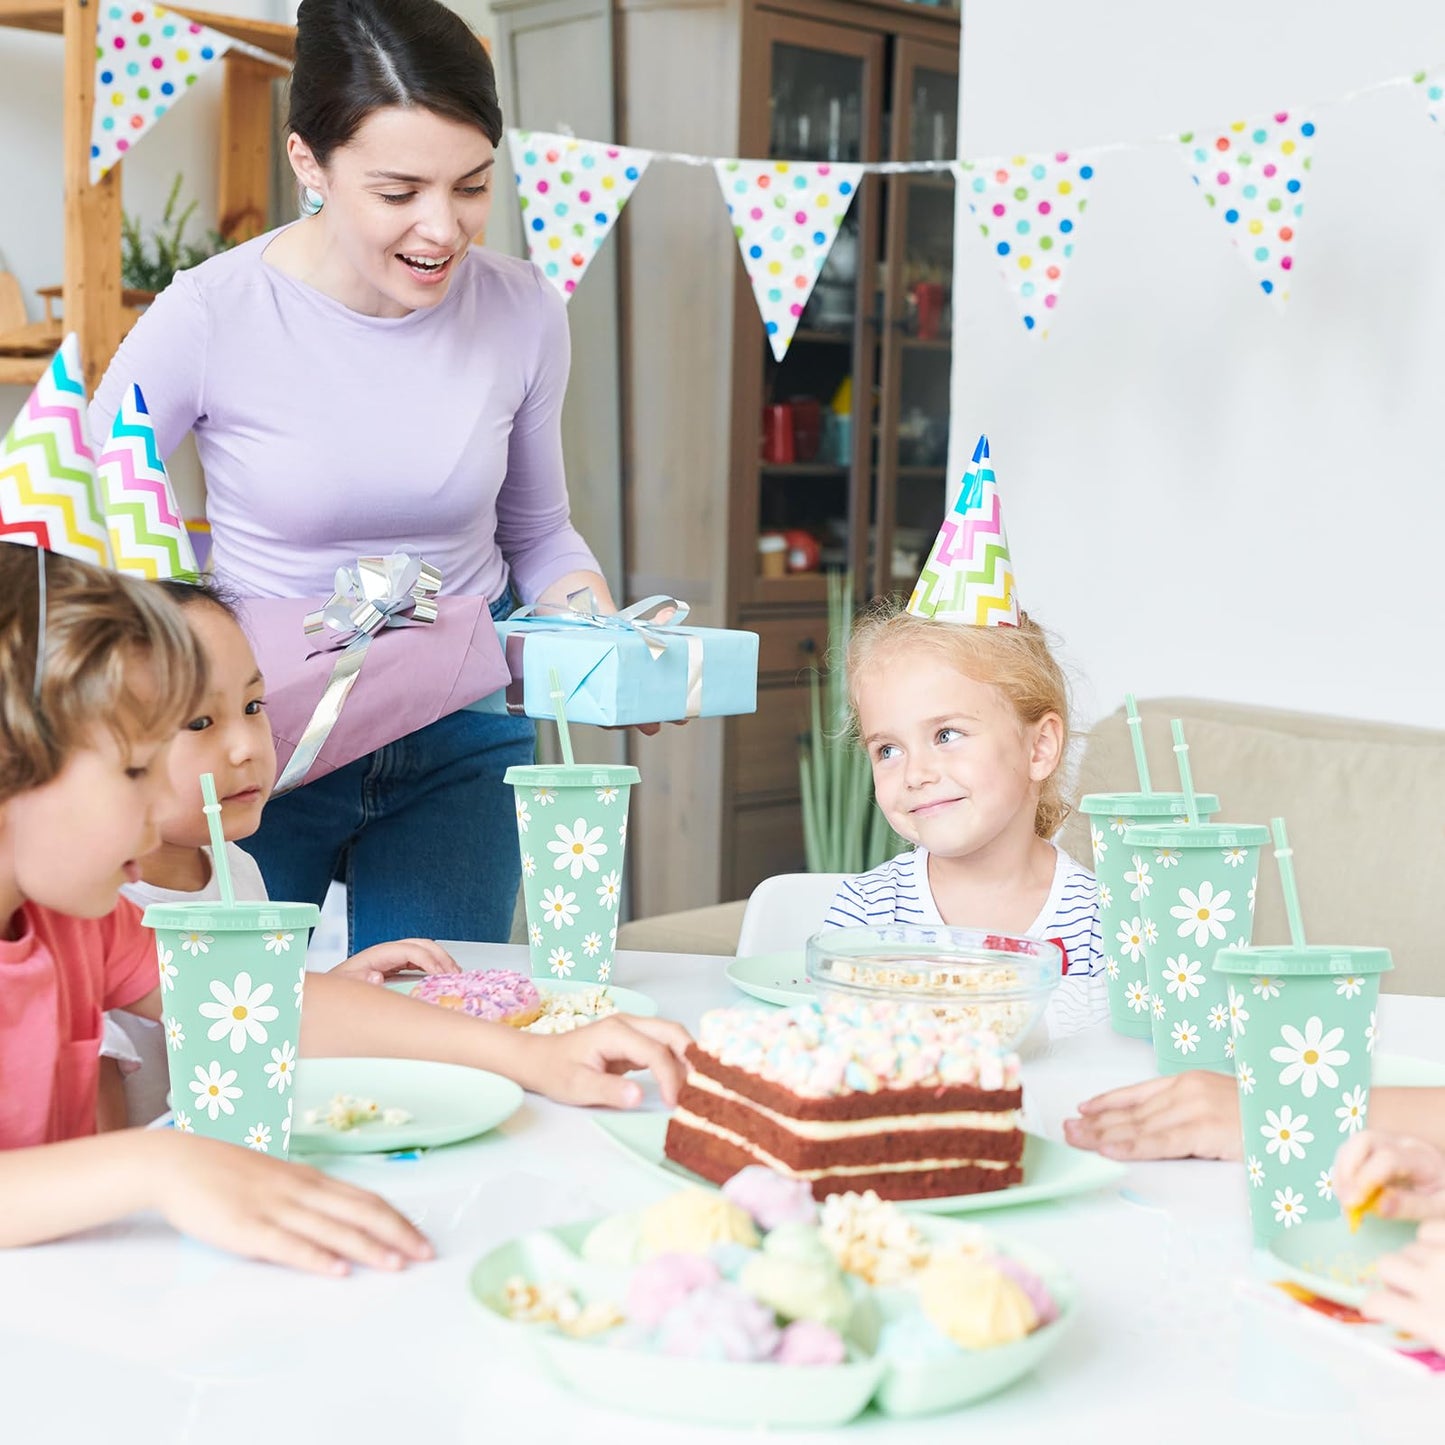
640, 618
379, 592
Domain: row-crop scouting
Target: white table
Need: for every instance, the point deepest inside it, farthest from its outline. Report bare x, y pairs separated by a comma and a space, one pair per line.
133, 1334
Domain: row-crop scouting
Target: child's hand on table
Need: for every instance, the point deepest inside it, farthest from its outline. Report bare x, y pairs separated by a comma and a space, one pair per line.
1408, 1174
284, 1213
1193, 1115
1413, 1297
582, 1067
374, 964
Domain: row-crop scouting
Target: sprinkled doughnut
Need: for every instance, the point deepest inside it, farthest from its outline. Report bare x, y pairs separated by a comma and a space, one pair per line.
489, 993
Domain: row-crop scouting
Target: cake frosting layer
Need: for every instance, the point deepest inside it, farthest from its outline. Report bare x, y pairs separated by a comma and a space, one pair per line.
842, 1047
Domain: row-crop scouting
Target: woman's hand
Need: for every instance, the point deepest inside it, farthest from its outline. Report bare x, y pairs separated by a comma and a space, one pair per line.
583, 1067
1193, 1115
1413, 1293
285, 1213
1408, 1173
374, 964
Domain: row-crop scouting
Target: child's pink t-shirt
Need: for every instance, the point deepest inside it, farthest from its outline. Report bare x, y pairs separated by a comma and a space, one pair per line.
56, 980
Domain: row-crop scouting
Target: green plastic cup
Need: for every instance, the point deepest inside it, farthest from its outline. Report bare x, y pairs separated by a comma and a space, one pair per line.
1303, 1022
1121, 917
1196, 896
231, 985
572, 828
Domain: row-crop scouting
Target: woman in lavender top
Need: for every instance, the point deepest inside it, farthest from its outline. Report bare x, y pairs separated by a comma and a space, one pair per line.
366, 379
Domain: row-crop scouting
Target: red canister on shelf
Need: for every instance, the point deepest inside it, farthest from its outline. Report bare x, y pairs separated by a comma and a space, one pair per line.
807, 427
777, 438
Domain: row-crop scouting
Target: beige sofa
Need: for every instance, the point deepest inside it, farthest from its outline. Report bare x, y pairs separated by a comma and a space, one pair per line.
1365, 804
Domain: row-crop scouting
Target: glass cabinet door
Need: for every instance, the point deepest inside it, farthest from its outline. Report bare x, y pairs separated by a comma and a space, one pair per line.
916, 337
823, 86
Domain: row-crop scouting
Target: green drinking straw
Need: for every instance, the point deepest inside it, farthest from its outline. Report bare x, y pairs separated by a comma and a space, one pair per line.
219, 860
1284, 855
1186, 778
560, 712
1136, 736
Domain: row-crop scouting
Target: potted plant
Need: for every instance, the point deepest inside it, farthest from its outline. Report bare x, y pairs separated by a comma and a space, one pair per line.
148, 263
843, 829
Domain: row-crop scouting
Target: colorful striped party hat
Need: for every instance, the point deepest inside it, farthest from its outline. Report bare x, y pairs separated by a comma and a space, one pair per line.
969, 577
147, 531
49, 495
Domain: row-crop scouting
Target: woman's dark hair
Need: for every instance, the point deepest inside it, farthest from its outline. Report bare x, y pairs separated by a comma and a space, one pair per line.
204, 588
357, 56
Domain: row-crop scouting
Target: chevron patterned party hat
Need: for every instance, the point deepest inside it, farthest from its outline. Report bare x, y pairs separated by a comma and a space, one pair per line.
969, 577
147, 531
49, 496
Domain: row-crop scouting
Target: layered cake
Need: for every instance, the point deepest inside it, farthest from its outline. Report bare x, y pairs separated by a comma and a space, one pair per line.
850, 1096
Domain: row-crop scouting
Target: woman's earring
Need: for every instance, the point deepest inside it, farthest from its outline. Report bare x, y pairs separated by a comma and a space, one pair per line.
311, 201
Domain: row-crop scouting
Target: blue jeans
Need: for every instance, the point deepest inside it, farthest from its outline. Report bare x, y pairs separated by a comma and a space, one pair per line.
423, 832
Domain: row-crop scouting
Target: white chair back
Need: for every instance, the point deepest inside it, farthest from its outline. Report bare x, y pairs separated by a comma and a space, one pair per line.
785, 911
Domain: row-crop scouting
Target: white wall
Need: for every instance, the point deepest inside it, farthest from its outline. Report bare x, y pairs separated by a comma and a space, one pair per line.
1204, 497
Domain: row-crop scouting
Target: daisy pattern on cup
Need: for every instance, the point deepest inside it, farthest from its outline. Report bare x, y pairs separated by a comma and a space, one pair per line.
1106, 896
561, 962
1141, 879
1246, 1079
1184, 1036
1349, 987
1354, 1104
1099, 842
241, 1012
258, 1137
1289, 1207
1285, 1133
1309, 1058
1234, 857
1111, 967
1136, 995
1167, 857
1130, 939
1325, 1185
1256, 1171
1203, 913
1218, 1017
1238, 1014
1182, 977
559, 907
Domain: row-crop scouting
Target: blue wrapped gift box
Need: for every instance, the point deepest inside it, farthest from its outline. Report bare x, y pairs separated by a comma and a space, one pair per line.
614, 673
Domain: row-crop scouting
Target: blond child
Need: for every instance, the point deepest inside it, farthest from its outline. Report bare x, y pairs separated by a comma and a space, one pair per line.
966, 729
91, 703
229, 737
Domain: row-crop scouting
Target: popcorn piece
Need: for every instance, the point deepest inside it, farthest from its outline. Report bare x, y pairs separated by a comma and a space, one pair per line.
347, 1111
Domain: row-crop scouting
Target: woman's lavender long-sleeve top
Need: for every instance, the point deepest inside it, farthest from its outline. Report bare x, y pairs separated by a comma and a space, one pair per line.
326, 435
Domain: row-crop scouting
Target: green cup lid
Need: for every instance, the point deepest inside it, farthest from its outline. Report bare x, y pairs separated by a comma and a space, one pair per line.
1196, 835
212, 916
1144, 805
1283, 960
578, 775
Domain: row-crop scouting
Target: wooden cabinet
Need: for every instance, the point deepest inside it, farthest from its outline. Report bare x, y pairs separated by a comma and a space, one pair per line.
812, 80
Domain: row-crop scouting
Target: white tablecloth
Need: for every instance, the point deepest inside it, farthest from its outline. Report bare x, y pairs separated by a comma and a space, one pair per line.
132, 1333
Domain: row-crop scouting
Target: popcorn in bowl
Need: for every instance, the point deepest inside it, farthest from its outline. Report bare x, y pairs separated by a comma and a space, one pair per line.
985, 983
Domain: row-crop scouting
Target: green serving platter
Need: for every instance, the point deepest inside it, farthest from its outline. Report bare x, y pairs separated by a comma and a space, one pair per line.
1051, 1170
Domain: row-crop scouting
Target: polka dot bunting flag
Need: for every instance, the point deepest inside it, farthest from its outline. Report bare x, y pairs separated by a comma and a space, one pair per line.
1432, 87
1252, 176
146, 59
1029, 209
571, 192
785, 215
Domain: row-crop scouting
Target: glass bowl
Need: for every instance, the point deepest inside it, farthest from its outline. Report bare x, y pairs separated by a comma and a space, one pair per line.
987, 983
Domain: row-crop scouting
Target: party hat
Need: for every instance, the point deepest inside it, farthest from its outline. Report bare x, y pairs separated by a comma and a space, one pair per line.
147, 531
49, 496
969, 577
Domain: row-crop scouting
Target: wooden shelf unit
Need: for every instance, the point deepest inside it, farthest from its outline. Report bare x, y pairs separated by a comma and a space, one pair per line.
93, 301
